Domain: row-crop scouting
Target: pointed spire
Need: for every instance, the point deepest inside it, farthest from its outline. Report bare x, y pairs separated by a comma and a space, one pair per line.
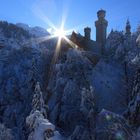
128, 28
128, 21
112, 30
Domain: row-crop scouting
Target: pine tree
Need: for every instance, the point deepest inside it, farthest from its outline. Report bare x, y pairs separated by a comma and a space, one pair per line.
39, 126
134, 105
88, 109
87, 99
138, 30
33, 78
38, 101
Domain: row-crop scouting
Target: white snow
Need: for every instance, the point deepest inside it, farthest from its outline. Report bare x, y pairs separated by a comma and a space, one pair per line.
37, 31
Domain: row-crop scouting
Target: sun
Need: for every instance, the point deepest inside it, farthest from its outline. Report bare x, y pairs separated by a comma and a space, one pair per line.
61, 33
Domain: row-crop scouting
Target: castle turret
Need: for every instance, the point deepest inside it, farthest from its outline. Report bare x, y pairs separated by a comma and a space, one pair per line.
101, 29
128, 28
87, 31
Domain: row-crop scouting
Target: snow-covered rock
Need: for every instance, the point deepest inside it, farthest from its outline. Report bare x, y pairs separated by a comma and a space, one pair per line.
112, 126
42, 128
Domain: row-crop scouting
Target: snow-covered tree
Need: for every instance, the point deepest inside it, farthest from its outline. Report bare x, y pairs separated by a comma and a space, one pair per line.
87, 107
112, 126
136, 135
87, 100
120, 52
138, 41
133, 113
138, 30
38, 101
39, 126
115, 39
33, 74
5, 133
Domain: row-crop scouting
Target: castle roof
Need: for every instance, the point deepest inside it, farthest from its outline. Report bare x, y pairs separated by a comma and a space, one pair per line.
87, 29
101, 11
83, 43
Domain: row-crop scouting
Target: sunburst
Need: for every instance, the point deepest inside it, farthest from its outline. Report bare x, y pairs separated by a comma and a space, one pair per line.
59, 33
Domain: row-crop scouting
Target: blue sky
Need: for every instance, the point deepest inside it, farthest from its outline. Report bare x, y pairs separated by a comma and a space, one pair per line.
79, 13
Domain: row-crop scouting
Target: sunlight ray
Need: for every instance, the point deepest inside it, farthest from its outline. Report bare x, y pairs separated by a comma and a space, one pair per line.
57, 50
40, 39
54, 58
39, 13
46, 38
72, 44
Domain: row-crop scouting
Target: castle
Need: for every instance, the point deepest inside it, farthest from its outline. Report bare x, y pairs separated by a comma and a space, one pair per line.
101, 32
98, 46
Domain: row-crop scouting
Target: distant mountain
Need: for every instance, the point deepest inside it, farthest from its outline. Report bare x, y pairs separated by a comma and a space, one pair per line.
20, 34
36, 31
13, 36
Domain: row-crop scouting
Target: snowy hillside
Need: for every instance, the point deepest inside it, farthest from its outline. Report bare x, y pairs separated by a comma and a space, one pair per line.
21, 35
78, 97
36, 31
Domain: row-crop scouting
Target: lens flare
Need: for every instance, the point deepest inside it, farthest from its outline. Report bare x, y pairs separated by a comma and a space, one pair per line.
59, 33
